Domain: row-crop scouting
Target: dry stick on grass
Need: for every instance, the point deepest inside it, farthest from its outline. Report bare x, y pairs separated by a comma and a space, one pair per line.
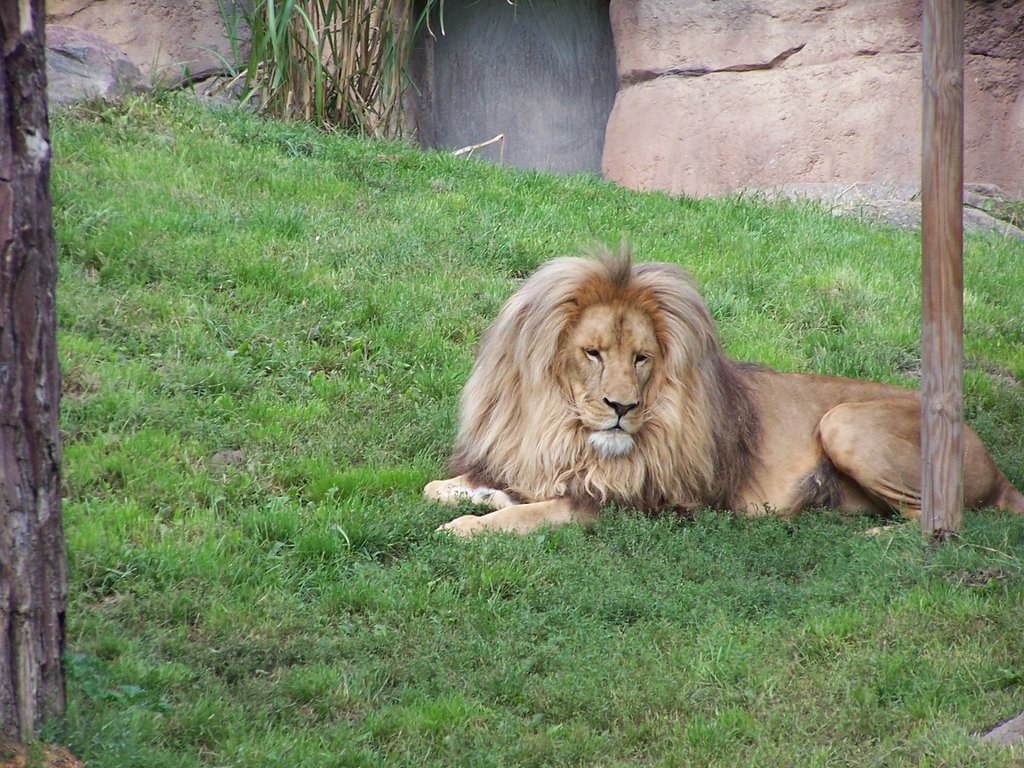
468, 151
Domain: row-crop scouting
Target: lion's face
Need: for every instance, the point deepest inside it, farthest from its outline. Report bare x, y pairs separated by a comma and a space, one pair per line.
611, 355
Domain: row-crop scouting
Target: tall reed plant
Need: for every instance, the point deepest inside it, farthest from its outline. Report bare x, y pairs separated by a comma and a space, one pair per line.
335, 63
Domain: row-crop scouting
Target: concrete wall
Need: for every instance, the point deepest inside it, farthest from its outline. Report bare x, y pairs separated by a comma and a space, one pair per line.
542, 72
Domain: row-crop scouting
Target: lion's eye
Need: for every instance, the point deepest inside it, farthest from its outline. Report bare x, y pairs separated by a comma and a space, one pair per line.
593, 354
640, 359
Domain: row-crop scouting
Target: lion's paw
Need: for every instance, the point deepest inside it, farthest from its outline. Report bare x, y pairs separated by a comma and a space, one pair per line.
443, 490
464, 527
447, 492
491, 497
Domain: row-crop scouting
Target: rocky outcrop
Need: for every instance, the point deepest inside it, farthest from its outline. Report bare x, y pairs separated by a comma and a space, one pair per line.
168, 40
81, 65
715, 97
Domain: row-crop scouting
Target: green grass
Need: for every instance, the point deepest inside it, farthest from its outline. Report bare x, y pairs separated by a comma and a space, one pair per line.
263, 334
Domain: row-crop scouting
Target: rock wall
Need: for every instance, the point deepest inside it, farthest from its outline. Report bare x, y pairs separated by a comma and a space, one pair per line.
165, 39
718, 96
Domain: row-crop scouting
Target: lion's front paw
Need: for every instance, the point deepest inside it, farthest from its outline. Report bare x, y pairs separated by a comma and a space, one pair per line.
455, 491
464, 527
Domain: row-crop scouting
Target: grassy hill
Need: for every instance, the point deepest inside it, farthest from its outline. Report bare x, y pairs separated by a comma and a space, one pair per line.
263, 334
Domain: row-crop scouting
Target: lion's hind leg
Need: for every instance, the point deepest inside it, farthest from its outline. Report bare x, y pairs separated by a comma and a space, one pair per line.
458, 489
877, 444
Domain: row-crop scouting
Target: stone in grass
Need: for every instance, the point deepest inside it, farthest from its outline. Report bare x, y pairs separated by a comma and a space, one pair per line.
223, 460
1006, 734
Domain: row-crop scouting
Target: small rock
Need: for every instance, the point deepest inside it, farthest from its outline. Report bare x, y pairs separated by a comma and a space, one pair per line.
225, 459
225, 90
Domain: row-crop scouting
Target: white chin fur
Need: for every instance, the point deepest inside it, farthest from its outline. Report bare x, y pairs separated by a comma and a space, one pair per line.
610, 443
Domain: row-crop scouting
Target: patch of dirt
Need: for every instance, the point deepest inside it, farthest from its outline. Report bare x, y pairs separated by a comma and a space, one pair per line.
37, 756
999, 375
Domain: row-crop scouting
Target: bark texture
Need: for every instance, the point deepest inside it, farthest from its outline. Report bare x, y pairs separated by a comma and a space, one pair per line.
33, 570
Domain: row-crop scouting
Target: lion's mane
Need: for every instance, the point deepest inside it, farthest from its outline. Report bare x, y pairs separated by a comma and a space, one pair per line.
517, 429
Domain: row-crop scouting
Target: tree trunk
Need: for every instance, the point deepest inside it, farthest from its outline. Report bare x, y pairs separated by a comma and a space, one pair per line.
33, 569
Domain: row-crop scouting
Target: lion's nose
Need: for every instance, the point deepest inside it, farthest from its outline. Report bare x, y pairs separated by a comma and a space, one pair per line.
621, 409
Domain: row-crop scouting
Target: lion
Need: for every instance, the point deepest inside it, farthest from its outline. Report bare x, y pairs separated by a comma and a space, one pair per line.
603, 382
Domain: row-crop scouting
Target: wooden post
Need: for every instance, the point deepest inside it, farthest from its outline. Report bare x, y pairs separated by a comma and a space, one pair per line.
942, 171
